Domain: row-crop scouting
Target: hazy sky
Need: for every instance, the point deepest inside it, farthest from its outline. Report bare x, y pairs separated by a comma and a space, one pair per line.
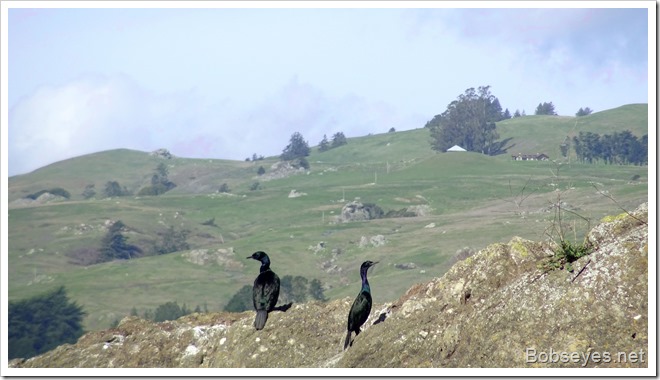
227, 83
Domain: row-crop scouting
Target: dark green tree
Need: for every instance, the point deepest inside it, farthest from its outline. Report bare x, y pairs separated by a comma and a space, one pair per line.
316, 290
297, 148
584, 111
43, 322
113, 189
469, 122
89, 191
160, 182
170, 311
516, 114
300, 163
261, 170
324, 144
565, 146
114, 245
642, 156
241, 301
338, 139
506, 114
299, 289
545, 109
494, 109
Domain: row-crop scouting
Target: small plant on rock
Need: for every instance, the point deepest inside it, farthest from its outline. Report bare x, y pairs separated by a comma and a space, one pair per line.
567, 251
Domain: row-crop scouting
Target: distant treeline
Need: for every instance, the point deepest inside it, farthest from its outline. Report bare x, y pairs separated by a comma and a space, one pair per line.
619, 148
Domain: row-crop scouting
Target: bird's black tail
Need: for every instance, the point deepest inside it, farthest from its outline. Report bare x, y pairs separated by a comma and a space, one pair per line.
348, 339
260, 320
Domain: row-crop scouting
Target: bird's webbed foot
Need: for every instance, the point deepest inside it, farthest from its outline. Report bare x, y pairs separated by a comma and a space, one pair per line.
284, 307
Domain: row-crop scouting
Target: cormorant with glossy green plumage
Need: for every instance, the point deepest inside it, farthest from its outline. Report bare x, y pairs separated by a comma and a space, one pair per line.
265, 291
361, 306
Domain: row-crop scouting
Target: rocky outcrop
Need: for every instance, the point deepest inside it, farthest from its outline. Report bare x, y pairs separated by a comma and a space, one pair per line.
357, 211
283, 169
162, 153
497, 308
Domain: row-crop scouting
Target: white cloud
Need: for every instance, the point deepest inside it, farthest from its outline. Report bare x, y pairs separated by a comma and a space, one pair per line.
95, 113
87, 115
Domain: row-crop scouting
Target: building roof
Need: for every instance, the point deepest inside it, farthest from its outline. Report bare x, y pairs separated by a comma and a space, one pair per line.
456, 148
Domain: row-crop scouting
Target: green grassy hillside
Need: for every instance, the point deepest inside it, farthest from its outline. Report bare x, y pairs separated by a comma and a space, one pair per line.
472, 200
544, 134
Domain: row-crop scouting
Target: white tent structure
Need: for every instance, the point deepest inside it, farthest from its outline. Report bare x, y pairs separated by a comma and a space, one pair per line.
456, 148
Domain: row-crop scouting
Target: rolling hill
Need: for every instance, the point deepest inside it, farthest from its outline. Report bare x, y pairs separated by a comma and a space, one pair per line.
469, 200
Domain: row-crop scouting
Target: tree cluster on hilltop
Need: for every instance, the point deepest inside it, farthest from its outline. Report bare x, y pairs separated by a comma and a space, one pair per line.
583, 111
469, 122
338, 139
545, 108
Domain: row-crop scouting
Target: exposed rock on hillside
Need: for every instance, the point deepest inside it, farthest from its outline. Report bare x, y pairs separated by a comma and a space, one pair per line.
373, 241
295, 194
282, 169
162, 153
222, 256
358, 211
493, 309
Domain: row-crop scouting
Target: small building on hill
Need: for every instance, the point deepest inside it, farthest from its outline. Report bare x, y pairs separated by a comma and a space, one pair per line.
456, 148
530, 157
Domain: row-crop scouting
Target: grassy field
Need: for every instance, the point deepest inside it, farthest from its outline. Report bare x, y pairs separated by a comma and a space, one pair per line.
474, 200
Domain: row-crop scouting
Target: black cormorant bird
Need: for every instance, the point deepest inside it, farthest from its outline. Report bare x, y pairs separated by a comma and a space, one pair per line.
361, 306
265, 291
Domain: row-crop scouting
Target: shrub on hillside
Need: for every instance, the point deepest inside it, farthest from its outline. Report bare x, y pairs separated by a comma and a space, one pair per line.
55, 191
89, 191
85, 256
172, 241
114, 189
300, 163
160, 182
224, 188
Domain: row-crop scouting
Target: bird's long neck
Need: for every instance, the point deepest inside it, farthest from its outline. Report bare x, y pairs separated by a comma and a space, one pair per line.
265, 265
365, 282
